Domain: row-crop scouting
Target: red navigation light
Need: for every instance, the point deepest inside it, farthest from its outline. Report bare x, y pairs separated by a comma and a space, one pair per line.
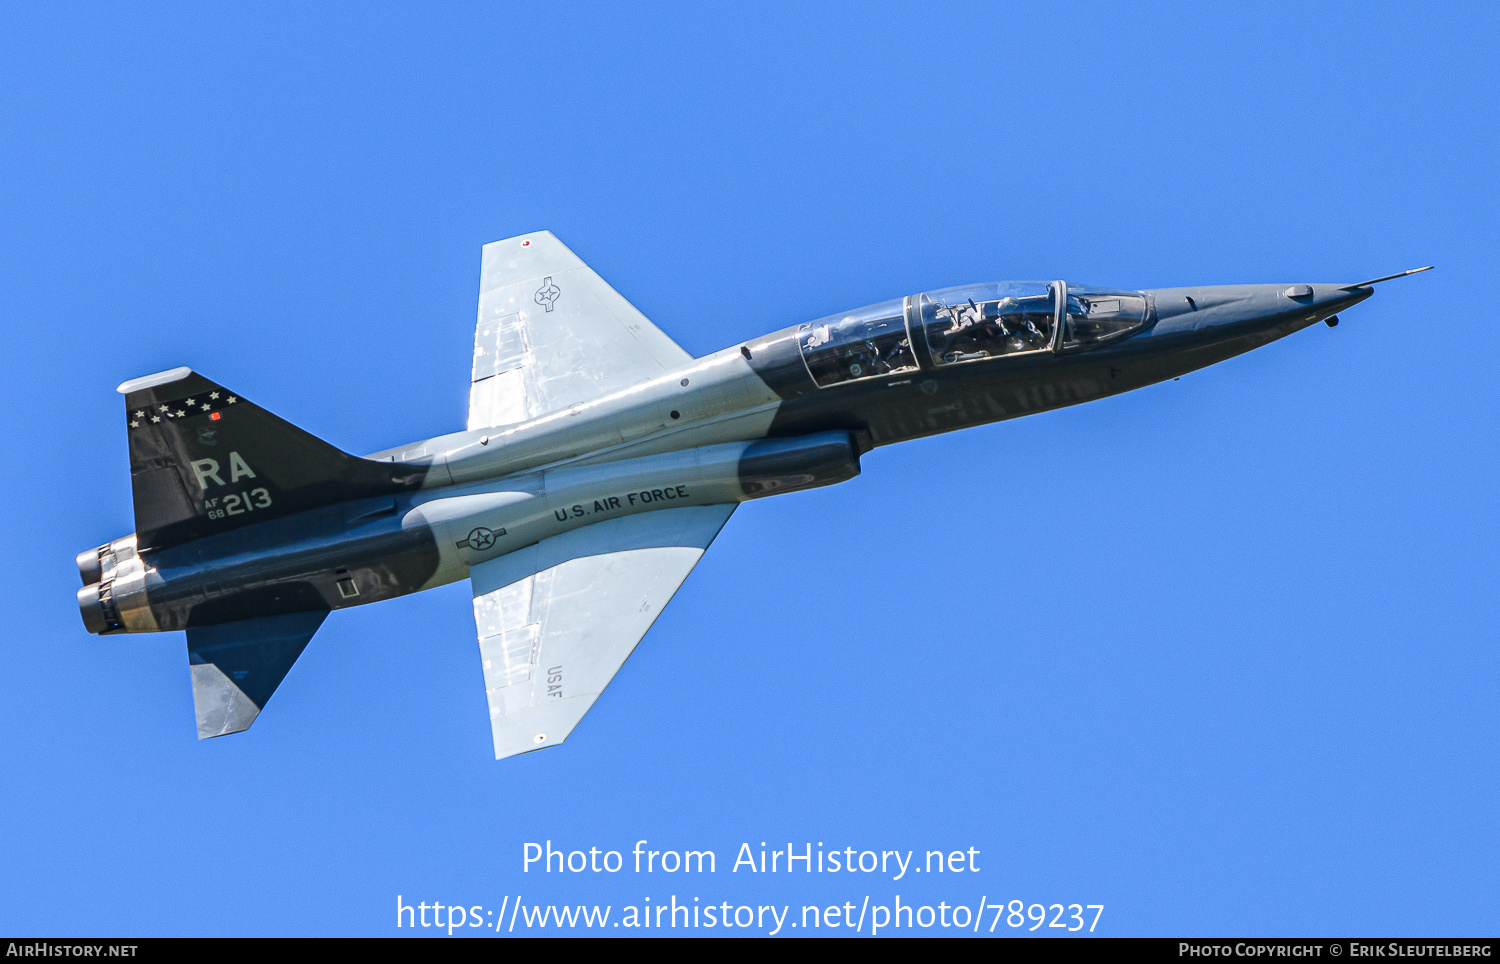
213, 417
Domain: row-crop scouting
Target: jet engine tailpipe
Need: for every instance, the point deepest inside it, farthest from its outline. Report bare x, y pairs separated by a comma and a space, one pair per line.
91, 564
96, 605
113, 598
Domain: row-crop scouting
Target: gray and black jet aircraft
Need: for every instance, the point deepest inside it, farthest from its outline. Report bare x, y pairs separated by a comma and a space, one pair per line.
599, 462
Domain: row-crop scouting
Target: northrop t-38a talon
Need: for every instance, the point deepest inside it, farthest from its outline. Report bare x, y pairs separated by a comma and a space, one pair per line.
599, 462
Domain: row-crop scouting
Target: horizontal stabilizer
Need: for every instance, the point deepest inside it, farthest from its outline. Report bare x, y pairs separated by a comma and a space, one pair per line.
237, 666
203, 460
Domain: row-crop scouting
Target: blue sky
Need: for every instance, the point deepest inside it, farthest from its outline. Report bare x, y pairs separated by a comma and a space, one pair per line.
1219, 654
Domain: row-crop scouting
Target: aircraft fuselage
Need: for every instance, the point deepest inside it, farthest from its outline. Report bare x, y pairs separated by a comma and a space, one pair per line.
787, 411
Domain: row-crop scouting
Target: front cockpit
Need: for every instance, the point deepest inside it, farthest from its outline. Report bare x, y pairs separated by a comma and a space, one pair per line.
973, 323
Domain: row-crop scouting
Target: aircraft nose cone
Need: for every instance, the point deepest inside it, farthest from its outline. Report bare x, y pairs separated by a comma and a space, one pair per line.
1225, 307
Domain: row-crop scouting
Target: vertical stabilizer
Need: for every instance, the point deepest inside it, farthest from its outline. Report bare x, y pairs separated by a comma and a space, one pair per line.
203, 460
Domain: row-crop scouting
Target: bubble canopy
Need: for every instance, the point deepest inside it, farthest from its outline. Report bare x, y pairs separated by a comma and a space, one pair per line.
972, 323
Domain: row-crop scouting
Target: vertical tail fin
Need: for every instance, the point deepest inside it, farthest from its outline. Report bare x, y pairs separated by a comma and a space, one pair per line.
203, 460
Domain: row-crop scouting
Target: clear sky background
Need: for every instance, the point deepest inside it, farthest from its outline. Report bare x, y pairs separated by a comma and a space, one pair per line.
1219, 654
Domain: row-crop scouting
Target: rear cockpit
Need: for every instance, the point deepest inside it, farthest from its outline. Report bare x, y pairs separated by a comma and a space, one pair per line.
865, 343
973, 323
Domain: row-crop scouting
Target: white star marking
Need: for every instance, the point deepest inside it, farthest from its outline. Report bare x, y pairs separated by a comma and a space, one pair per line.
231, 399
205, 408
213, 395
134, 423
180, 414
140, 414
190, 401
155, 419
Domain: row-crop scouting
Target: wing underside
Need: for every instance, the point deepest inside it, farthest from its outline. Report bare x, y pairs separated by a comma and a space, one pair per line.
557, 620
551, 332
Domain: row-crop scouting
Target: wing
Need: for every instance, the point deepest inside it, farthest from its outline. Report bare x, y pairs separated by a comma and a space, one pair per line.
552, 333
557, 620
